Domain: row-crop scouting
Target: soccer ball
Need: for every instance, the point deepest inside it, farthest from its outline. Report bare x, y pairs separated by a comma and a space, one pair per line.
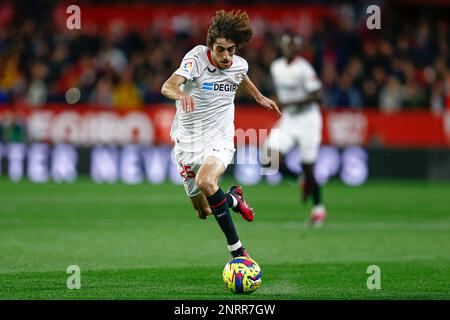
242, 275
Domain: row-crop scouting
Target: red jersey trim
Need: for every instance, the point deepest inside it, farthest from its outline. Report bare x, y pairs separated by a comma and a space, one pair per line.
210, 59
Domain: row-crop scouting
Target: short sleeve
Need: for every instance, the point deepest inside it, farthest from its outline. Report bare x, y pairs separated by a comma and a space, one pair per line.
311, 81
188, 68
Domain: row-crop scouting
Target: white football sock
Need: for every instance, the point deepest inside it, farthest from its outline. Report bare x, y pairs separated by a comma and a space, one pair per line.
235, 202
318, 209
235, 246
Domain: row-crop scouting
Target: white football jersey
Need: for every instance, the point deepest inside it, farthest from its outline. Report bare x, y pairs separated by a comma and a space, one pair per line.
294, 81
213, 91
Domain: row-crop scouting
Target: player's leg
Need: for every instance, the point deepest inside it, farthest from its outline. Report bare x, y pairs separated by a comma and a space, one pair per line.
201, 206
207, 181
278, 144
281, 160
188, 164
309, 146
310, 188
235, 194
284, 169
235, 201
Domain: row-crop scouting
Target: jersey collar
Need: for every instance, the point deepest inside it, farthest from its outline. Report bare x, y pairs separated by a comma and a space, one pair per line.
210, 59
296, 58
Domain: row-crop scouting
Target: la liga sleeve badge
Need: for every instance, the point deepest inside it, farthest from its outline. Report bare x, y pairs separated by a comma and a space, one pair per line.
187, 66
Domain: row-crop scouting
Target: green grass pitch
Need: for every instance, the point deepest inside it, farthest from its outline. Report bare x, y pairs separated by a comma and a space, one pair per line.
145, 242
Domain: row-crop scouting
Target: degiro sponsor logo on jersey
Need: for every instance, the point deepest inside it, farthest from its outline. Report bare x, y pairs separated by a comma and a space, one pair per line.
219, 86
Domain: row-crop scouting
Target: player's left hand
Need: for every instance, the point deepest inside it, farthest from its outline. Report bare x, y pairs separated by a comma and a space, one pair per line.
269, 104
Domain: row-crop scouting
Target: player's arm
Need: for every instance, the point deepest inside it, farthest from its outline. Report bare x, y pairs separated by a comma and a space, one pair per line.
171, 90
315, 96
248, 85
312, 85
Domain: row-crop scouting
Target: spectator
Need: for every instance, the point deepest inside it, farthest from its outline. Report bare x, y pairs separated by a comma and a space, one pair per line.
370, 94
437, 96
110, 56
347, 95
38, 65
152, 90
10, 76
413, 96
13, 128
391, 96
126, 94
36, 94
422, 50
102, 94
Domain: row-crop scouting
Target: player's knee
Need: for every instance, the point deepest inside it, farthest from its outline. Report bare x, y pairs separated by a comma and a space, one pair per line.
206, 184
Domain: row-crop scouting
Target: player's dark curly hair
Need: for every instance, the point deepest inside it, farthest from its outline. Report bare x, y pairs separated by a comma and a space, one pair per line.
232, 25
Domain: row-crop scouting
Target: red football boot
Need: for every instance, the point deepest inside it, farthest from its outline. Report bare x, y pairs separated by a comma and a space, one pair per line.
242, 206
318, 216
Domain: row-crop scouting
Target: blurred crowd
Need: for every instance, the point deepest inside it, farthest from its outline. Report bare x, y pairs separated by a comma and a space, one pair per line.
405, 66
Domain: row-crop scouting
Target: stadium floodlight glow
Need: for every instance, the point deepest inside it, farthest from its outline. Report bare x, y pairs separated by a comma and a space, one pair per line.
156, 163
104, 164
327, 165
38, 168
292, 160
64, 159
16, 156
247, 172
130, 164
354, 170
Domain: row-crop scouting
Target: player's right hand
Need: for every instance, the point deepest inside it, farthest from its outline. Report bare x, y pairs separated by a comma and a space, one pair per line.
269, 104
187, 103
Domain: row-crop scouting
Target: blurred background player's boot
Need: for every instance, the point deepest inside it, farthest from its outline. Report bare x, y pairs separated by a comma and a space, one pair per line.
318, 216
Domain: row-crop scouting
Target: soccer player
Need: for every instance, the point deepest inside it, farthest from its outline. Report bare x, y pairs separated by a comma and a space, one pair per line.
204, 87
299, 93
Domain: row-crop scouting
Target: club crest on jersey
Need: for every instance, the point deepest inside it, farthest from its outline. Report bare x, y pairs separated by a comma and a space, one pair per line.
219, 86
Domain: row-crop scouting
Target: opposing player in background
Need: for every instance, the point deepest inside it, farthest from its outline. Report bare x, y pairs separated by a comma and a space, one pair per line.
204, 88
299, 93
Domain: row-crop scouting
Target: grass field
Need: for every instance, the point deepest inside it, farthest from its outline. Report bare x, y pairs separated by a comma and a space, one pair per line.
144, 242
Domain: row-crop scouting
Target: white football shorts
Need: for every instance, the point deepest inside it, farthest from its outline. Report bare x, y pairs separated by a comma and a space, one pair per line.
303, 129
189, 163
